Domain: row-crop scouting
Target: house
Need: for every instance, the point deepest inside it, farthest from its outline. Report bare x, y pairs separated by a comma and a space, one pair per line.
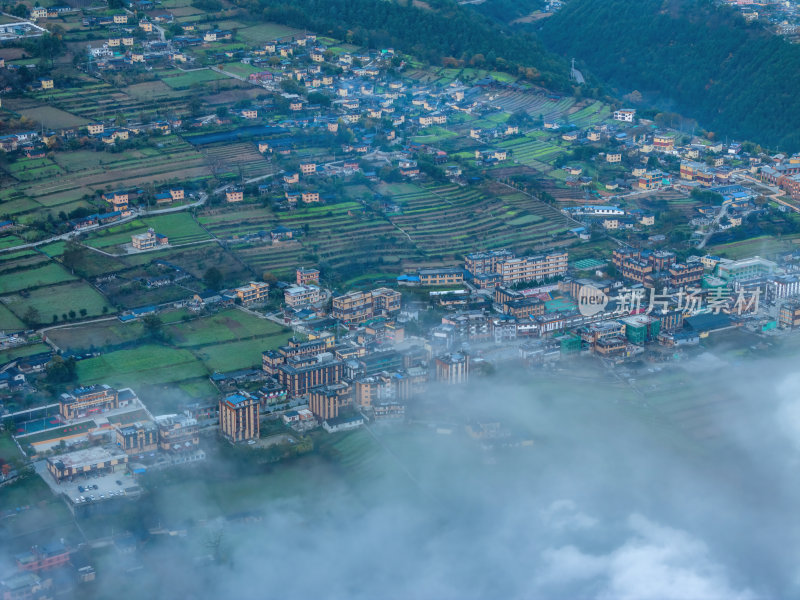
234, 195
46, 83
252, 293
613, 157
249, 113
625, 114
308, 168
291, 178
38, 12
148, 240
95, 128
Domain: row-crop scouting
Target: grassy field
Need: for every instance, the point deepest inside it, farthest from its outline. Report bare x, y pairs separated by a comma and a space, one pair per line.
150, 364
265, 32
58, 299
186, 80
48, 274
52, 117
9, 321
238, 355
223, 327
22, 351
96, 335
765, 246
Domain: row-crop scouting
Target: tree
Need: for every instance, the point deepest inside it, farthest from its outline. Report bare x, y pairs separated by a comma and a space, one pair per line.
213, 278
153, 326
31, 317
60, 370
74, 254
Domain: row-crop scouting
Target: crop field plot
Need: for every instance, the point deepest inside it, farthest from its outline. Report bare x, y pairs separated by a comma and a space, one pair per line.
150, 364
32, 169
179, 227
52, 117
589, 115
47, 274
535, 153
233, 356
187, 79
535, 104
58, 299
239, 68
85, 336
236, 157
9, 241
151, 90
9, 322
222, 327
176, 160
761, 246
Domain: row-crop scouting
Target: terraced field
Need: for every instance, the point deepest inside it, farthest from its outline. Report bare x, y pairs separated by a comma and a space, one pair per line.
102, 100
87, 172
445, 219
532, 103
533, 152
592, 114
239, 158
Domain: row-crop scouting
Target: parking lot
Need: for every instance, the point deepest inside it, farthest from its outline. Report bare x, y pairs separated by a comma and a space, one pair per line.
98, 487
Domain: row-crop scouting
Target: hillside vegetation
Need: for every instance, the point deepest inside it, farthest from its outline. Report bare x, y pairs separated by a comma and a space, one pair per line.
735, 78
440, 32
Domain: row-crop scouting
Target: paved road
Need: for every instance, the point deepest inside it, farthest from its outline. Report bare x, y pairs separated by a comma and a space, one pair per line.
134, 215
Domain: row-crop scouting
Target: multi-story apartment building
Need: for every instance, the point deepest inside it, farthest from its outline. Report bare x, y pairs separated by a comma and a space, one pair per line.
301, 295
177, 433
306, 276
326, 401
238, 417
533, 268
789, 314
386, 302
452, 368
300, 373
272, 359
441, 276
685, 275
253, 293
664, 142
357, 307
88, 400
139, 437
353, 308
479, 263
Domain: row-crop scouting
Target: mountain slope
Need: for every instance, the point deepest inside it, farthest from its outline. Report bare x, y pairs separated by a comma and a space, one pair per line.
734, 78
444, 30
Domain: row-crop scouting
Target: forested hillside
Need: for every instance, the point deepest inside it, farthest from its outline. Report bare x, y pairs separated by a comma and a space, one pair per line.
734, 78
444, 33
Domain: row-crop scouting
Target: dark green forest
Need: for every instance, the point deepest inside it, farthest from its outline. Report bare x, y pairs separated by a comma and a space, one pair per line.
735, 78
445, 34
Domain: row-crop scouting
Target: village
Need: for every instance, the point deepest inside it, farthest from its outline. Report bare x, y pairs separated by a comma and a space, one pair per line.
224, 239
